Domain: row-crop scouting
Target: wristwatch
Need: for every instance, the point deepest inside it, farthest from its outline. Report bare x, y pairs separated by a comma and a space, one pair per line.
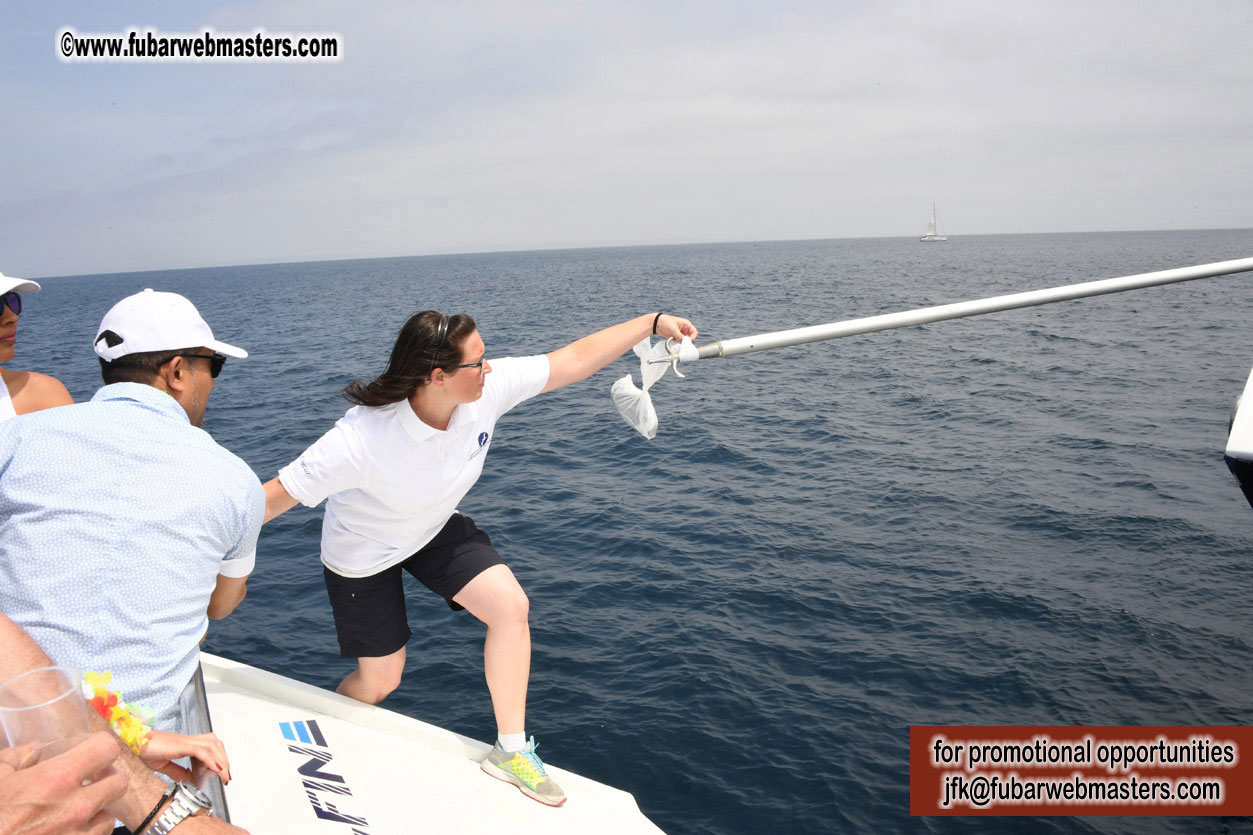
186, 801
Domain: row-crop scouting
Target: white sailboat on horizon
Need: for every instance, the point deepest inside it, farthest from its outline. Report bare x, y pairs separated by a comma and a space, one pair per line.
930, 233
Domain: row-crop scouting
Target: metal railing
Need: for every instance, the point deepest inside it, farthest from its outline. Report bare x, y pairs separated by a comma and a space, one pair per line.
194, 706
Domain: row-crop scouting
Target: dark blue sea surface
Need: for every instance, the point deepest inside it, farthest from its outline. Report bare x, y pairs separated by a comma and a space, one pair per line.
1015, 519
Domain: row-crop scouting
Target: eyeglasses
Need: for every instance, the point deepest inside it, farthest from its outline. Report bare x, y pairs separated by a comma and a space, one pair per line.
13, 301
216, 361
478, 365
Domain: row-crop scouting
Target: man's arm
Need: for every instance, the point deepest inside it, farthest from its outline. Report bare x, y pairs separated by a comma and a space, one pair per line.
19, 653
240, 558
584, 357
228, 594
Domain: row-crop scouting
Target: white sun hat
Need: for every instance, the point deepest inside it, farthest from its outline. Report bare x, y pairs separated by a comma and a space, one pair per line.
153, 321
21, 285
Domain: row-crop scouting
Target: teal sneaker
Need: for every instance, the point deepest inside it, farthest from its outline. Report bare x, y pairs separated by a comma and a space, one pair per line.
526, 771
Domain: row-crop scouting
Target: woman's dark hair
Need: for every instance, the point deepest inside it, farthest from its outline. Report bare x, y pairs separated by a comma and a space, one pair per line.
414, 357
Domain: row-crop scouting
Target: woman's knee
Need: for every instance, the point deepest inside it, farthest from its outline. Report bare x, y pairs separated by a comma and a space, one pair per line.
519, 607
511, 610
385, 681
381, 676
495, 598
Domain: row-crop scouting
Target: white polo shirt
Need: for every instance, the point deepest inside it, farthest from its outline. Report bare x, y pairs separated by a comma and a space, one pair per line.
392, 480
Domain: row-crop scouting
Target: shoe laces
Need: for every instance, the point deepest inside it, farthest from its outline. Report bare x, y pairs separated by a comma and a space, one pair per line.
534, 766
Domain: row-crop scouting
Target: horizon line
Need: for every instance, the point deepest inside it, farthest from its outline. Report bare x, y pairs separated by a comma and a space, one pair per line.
581, 247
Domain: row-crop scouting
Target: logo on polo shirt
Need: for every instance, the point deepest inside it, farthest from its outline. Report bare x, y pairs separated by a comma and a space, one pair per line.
483, 436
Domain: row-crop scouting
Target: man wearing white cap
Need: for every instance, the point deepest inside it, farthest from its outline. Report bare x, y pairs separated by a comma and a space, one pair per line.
22, 391
123, 525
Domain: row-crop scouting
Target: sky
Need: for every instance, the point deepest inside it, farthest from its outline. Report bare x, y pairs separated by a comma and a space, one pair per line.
479, 126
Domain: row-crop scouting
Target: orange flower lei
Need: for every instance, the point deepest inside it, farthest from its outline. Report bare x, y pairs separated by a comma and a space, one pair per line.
132, 723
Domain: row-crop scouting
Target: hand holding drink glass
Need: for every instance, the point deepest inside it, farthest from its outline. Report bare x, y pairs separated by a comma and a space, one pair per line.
55, 777
42, 714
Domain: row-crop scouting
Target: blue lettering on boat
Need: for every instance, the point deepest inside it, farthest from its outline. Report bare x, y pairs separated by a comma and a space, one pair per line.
318, 780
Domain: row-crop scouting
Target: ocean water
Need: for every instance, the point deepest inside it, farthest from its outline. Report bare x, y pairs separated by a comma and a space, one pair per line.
1015, 519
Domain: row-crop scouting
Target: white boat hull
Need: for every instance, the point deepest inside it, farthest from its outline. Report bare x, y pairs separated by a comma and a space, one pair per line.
1239, 451
305, 760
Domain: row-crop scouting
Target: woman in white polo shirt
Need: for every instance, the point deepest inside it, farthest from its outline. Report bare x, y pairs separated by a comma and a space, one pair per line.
22, 391
393, 471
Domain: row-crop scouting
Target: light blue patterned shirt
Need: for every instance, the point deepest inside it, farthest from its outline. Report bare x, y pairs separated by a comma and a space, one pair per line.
116, 517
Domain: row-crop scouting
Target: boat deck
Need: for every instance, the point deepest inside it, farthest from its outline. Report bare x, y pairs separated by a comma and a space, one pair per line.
305, 760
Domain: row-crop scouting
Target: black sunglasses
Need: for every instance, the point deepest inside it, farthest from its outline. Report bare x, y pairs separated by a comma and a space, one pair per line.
14, 302
216, 361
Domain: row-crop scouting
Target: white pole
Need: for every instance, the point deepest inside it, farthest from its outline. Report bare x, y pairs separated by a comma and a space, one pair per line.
957, 310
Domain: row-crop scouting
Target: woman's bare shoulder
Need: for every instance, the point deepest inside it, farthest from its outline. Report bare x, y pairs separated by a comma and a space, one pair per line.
32, 391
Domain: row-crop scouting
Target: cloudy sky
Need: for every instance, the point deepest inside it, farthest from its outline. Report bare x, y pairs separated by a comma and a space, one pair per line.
461, 127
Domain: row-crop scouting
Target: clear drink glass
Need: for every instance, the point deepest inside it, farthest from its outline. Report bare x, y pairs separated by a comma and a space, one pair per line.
43, 713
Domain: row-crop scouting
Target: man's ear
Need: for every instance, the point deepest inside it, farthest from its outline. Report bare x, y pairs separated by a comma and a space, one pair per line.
173, 375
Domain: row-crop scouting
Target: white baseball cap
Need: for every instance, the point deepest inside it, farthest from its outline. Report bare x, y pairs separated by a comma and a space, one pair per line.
152, 321
21, 285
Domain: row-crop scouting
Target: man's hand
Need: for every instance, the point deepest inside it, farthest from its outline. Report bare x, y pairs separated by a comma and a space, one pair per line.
49, 798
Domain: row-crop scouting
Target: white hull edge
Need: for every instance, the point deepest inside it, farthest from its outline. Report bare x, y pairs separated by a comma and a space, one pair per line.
1240, 437
306, 760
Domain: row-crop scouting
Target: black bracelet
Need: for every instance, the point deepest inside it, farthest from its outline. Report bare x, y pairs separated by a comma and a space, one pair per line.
168, 794
658, 318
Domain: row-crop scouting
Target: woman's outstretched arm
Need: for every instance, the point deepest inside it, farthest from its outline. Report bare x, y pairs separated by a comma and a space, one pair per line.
584, 357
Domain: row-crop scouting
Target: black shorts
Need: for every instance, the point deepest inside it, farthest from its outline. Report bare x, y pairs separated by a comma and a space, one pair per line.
370, 616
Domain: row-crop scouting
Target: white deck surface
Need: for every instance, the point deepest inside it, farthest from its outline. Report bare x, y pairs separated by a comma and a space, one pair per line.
398, 774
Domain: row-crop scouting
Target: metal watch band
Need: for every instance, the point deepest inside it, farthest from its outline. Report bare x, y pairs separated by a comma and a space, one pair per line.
187, 801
